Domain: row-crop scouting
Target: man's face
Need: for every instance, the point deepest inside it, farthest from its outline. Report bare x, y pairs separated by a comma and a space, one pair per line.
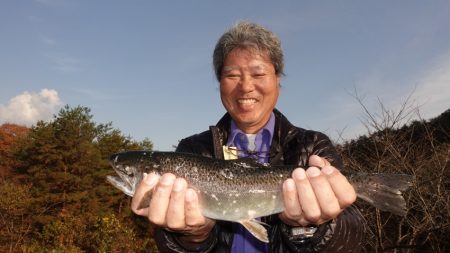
249, 88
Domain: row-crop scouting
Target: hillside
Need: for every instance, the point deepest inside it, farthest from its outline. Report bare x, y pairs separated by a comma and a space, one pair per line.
421, 149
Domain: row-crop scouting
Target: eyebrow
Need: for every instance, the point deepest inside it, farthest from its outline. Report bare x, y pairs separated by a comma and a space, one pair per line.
229, 68
256, 67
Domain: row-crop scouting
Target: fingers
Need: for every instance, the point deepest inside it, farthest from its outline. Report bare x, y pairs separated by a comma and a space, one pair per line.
160, 200
172, 205
318, 161
141, 195
199, 225
293, 210
343, 190
306, 195
194, 216
175, 216
316, 196
327, 203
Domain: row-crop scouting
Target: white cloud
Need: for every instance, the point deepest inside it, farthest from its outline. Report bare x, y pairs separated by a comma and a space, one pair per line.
424, 93
433, 88
27, 108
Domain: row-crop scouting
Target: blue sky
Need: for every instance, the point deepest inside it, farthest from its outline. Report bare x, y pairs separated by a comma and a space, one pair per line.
146, 66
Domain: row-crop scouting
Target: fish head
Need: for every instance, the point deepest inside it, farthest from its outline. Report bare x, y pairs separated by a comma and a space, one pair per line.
130, 167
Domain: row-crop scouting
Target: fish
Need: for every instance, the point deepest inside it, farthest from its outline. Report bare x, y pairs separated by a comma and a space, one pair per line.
243, 190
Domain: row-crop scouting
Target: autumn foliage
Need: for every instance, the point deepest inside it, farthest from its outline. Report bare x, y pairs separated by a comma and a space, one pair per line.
9, 133
55, 197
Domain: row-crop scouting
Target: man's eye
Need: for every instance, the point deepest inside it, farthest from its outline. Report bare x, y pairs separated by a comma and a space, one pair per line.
232, 75
259, 75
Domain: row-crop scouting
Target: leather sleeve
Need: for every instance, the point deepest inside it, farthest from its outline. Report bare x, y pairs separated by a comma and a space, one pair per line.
323, 147
345, 233
168, 242
348, 234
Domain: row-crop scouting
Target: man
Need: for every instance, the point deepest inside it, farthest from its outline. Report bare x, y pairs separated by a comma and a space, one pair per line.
318, 216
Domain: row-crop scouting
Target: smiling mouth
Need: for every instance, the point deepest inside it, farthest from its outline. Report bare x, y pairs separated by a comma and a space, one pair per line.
247, 101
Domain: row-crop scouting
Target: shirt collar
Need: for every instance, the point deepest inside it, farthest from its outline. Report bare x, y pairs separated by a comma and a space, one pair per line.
269, 128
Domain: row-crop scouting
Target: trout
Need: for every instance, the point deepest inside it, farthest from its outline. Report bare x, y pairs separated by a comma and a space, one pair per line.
242, 190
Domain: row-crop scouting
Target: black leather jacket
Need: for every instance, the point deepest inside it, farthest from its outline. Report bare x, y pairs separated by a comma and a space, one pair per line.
290, 145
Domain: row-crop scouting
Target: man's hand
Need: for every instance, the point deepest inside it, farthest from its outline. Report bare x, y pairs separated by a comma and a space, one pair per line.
173, 206
317, 195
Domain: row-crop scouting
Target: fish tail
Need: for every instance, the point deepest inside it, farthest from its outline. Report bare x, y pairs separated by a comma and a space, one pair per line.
384, 191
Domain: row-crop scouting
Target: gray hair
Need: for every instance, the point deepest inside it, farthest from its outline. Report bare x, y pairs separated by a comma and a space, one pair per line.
252, 36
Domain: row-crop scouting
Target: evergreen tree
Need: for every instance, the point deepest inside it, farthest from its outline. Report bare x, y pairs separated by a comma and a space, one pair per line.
65, 162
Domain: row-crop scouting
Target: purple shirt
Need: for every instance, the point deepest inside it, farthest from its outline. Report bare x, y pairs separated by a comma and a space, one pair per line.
243, 241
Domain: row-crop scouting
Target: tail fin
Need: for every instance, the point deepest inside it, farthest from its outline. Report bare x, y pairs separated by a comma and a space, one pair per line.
384, 191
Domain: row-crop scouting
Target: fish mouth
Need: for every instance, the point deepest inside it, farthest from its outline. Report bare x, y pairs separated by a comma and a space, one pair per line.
121, 185
127, 180
127, 176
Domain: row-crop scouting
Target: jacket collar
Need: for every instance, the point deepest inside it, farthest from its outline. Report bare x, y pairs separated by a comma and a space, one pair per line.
283, 132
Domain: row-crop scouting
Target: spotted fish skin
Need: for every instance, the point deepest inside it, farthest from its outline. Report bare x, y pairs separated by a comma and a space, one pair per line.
243, 189
228, 190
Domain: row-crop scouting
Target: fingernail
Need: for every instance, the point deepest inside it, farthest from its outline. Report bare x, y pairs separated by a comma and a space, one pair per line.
178, 186
313, 172
167, 179
150, 179
289, 185
299, 174
328, 170
190, 195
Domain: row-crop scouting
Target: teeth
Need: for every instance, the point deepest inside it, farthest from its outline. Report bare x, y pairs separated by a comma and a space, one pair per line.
247, 101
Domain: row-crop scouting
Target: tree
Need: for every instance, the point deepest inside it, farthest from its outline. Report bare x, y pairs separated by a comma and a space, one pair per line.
16, 209
9, 134
419, 148
65, 162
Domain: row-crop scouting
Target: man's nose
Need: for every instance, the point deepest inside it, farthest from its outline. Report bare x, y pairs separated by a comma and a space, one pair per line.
246, 83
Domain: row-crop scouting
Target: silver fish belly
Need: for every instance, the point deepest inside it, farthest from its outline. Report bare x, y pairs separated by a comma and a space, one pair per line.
224, 203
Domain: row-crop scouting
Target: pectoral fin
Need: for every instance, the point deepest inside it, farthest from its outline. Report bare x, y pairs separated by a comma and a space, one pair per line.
256, 229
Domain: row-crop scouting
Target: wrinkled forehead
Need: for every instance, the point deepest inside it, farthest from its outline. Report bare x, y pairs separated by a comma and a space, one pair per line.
247, 51
253, 60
